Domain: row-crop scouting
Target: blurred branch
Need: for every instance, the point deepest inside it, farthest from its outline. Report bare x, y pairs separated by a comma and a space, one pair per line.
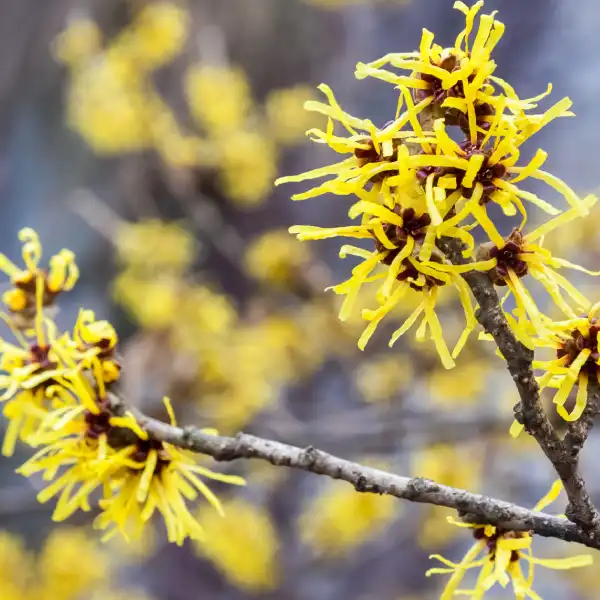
564, 454
419, 427
95, 213
480, 508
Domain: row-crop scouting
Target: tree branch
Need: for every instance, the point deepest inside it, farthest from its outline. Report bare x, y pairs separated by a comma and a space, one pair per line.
529, 410
474, 507
578, 431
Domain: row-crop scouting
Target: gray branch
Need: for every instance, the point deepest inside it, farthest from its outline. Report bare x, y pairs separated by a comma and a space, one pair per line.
564, 454
474, 507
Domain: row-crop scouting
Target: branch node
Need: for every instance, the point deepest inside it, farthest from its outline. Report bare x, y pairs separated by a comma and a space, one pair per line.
187, 434
309, 457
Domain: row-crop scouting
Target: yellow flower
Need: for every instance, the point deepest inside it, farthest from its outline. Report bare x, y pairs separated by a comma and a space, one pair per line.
276, 258
524, 254
109, 107
33, 287
405, 262
153, 302
461, 177
243, 546
38, 360
478, 173
400, 216
88, 465
454, 388
219, 98
71, 563
383, 378
577, 358
44, 371
373, 153
339, 519
247, 166
153, 246
72, 432
80, 41
74, 436
460, 79
156, 35
285, 113
15, 567
452, 77
94, 344
459, 83
156, 476
498, 554
56, 392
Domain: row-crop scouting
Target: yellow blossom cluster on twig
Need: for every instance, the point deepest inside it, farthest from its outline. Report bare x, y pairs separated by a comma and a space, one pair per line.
55, 389
442, 170
415, 184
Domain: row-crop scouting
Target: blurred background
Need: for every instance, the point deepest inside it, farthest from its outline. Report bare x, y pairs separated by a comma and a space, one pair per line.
145, 136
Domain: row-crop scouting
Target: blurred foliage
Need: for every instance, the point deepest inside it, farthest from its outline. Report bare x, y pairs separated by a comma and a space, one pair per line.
338, 520
71, 563
114, 104
243, 546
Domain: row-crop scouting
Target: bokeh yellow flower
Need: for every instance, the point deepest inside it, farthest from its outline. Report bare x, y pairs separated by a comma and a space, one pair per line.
247, 166
219, 98
244, 546
338, 519
276, 258
80, 41
498, 554
383, 378
152, 246
284, 109
70, 564
155, 36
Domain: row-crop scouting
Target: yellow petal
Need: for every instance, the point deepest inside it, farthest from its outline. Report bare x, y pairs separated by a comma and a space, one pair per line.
550, 497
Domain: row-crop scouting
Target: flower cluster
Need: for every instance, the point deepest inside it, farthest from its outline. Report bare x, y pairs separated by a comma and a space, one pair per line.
58, 396
115, 106
448, 169
499, 554
574, 343
203, 348
66, 567
414, 184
